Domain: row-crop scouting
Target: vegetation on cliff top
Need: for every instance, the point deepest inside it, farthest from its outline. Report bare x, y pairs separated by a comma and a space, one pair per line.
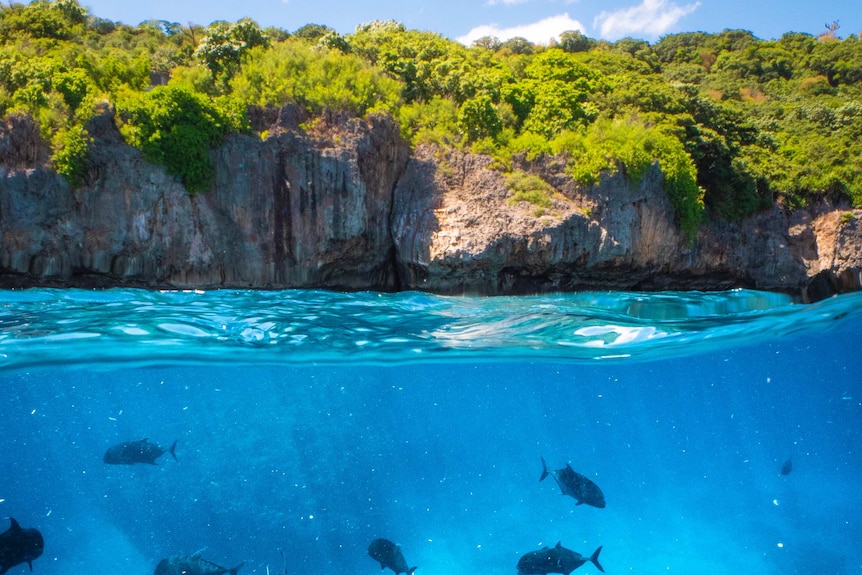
734, 122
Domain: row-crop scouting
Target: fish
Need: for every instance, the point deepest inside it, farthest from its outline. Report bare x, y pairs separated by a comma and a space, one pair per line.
192, 565
787, 467
132, 452
19, 546
388, 554
575, 485
557, 559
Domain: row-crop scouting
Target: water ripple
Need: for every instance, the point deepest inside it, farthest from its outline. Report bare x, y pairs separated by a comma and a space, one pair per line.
92, 328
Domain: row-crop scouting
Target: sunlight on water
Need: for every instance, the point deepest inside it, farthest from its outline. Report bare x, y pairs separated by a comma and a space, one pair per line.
77, 326
312, 423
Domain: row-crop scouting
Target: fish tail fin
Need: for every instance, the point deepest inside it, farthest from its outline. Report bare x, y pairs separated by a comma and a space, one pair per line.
237, 568
544, 470
173, 451
411, 570
595, 559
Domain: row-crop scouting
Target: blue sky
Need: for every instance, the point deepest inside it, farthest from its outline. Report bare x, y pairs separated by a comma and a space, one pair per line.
536, 20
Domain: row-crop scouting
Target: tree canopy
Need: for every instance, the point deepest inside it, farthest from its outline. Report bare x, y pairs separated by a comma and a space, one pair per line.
734, 122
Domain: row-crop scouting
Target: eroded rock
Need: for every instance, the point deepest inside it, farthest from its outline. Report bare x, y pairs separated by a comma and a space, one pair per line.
346, 206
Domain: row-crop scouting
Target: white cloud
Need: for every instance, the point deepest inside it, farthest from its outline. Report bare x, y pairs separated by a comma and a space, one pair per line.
651, 18
506, 2
539, 32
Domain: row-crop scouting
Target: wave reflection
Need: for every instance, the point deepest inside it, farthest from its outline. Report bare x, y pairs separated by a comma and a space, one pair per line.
93, 328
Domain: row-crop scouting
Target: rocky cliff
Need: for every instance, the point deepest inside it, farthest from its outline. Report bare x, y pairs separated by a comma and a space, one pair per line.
348, 206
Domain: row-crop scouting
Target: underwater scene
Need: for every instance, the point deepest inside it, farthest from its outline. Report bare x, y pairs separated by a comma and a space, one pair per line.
312, 433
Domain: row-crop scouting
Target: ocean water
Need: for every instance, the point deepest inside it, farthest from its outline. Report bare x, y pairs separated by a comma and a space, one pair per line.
310, 423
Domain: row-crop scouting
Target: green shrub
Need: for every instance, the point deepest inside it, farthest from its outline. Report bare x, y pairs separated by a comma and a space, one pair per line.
71, 153
176, 128
195, 78
680, 181
529, 188
529, 143
73, 86
296, 72
760, 119
628, 143
431, 122
478, 118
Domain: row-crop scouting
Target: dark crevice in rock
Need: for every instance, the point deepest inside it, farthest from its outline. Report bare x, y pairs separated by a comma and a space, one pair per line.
350, 207
283, 239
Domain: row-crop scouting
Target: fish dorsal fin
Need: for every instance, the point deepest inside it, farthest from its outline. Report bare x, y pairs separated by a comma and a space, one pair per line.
14, 526
558, 545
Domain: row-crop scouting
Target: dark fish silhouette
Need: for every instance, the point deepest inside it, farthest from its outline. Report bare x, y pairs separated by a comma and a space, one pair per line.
132, 452
787, 467
192, 565
19, 546
388, 554
576, 485
555, 560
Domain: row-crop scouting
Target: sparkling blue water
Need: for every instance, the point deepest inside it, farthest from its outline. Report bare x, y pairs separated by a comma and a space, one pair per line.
311, 423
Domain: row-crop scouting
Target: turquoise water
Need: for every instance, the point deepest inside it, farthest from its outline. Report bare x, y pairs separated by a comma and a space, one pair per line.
313, 422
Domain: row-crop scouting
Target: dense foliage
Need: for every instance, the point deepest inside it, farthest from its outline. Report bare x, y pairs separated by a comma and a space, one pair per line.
176, 127
734, 122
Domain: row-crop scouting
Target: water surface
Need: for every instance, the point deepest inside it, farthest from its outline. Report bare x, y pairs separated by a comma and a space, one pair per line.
313, 422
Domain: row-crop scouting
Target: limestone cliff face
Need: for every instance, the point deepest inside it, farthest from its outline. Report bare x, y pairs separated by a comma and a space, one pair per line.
455, 231
347, 207
294, 210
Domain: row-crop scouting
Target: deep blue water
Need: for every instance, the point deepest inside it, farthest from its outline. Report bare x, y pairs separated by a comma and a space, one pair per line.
314, 422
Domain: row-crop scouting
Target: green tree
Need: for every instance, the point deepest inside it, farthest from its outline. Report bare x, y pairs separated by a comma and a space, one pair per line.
575, 41
518, 45
57, 20
297, 72
491, 43
433, 121
758, 119
556, 90
224, 44
73, 85
312, 32
334, 41
478, 118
